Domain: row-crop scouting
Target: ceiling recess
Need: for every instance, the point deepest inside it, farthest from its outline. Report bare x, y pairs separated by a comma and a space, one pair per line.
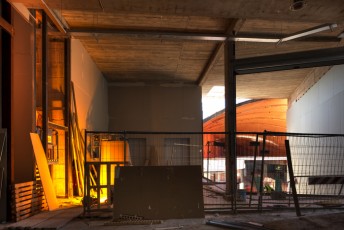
297, 5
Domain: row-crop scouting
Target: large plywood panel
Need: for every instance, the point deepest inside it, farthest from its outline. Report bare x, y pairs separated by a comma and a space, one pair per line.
159, 192
43, 169
22, 108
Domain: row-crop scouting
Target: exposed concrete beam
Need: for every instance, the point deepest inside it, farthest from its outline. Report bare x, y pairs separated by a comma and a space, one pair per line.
216, 37
40, 4
90, 32
52, 17
233, 27
210, 64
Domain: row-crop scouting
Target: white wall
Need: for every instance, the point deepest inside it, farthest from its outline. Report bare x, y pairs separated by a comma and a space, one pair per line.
91, 90
321, 109
155, 108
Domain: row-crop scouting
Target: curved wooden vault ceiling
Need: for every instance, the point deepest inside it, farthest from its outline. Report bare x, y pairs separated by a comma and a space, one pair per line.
253, 116
138, 41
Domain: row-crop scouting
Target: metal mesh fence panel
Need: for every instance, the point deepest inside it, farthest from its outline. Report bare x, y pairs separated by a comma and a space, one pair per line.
318, 162
262, 173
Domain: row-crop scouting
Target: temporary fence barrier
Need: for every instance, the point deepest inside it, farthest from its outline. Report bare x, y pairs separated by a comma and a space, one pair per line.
263, 172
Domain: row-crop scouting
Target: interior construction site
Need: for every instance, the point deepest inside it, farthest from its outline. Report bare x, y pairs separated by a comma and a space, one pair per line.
171, 114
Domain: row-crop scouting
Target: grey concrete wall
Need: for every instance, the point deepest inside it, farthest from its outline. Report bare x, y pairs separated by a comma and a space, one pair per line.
22, 100
155, 108
91, 90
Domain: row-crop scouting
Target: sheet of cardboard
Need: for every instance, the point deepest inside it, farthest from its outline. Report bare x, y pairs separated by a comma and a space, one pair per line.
43, 169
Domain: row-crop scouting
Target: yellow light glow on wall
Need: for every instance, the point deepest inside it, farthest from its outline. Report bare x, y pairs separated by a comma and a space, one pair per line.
59, 179
112, 151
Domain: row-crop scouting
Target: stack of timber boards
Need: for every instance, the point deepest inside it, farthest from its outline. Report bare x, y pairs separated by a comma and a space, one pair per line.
56, 219
28, 199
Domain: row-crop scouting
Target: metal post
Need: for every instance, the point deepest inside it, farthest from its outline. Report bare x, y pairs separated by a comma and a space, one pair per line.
87, 196
256, 145
87, 173
230, 121
98, 167
44, 81
108, 182
125, 149
261, 186
292, 181
34, 83
67, 102
208, 153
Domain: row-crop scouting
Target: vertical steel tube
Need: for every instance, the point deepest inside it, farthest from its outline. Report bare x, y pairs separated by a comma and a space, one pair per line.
254, 167
208, 153
125, 149
67, 102
34, 82
44, 81
291, 176
261, 186
87, 179
230, 121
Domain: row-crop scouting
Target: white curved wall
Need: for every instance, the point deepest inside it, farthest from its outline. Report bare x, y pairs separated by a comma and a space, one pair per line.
321, 109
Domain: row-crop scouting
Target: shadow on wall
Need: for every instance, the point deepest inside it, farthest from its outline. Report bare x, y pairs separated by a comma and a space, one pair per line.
97, 114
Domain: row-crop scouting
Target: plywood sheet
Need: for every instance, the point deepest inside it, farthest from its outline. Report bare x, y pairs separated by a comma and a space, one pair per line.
42, 164
159, 192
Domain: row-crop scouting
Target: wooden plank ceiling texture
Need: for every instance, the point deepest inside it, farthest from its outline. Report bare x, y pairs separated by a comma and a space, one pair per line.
138, 56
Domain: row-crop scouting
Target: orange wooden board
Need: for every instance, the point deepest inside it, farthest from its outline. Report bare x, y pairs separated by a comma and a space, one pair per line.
43, 169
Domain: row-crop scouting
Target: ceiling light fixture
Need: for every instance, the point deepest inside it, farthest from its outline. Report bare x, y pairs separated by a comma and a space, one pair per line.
341, 35
307, 32
297, 5
249, 39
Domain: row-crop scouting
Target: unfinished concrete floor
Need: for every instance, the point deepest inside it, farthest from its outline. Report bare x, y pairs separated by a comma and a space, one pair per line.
315, 219
72, 218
